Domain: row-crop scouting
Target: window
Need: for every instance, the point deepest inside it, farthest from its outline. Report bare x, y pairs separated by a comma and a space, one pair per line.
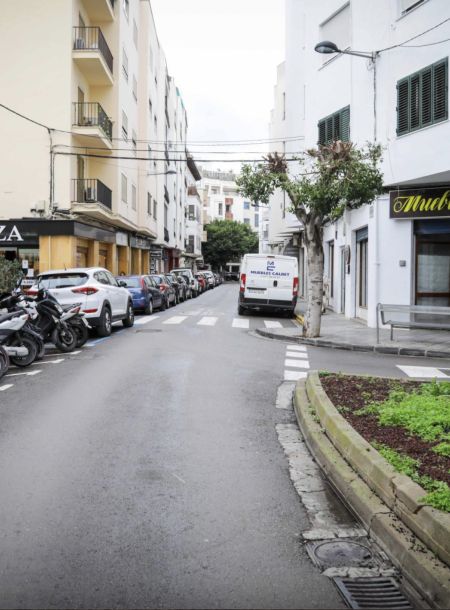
422, 98
215, 190
166, 215
155, 208
337, 29
331, 266
284, 105
125, 64
256, 221
124, 126
134, 87
150, 107
362, 242
149, 204
124, 189
246, 205
133, 196
335, 127
134, 141
135, 34
192, 212
246, 221
126, 8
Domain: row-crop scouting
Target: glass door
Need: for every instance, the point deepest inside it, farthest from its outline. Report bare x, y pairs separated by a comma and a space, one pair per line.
433, 271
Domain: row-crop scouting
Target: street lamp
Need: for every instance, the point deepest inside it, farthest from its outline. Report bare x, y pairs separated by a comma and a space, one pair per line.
327, 47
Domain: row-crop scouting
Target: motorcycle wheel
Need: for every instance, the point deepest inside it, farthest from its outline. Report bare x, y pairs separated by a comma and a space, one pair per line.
32, 348
65, 339
81, 332
4, 362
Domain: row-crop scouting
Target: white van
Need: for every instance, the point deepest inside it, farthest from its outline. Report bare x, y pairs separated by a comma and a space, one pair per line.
268, 283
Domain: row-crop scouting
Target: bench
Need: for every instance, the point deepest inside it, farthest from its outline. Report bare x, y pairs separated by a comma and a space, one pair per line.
412, 316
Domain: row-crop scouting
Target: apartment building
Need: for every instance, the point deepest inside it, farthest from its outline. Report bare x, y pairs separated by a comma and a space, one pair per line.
396, 249
92, 180
193, 218
221, 200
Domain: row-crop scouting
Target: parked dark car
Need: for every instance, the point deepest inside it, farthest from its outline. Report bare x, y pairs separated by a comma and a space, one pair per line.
180, 293
185, 285
217, 279
231, 276
166, 288
201, 281
144, 292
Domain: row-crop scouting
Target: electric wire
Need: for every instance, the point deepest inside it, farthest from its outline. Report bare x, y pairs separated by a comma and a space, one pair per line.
400, 44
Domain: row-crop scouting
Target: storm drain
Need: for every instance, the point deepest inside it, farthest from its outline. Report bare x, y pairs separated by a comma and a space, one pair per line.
343, 553
372, 593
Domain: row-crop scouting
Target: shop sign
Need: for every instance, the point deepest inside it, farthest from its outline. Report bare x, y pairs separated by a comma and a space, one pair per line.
156, 252
10, 233
121, 239
420, 203
140, 242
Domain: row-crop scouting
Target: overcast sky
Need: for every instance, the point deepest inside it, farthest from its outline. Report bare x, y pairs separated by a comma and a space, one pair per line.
223, 56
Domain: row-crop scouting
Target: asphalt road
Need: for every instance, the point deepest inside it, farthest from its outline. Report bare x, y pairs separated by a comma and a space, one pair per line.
146, 472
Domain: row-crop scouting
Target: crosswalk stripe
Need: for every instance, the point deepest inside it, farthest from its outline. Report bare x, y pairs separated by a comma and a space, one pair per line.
296, 355
30, 374
207, 321
422, 371
175, 320
294, 375
272, 324
240, 323
298, 364
296, 348
145, 320
6, 387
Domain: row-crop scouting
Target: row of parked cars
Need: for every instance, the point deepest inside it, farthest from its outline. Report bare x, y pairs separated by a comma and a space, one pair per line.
105, 299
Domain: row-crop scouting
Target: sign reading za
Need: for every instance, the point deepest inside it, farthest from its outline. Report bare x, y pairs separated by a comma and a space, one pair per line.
9, 233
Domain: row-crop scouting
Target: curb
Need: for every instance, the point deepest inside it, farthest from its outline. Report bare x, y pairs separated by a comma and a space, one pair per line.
428, 574
355, 347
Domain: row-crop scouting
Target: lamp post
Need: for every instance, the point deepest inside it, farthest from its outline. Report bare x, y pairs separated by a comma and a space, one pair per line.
327, 47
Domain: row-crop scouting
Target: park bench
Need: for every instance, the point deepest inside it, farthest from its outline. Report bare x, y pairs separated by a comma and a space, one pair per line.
412, 316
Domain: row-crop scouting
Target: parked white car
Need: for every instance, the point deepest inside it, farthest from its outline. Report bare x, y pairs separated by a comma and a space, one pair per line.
103, 300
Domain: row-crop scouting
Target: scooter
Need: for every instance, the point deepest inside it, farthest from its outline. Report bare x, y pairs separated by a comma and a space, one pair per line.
21, 347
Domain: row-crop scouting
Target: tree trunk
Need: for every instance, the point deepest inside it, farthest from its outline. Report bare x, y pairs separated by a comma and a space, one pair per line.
314, 252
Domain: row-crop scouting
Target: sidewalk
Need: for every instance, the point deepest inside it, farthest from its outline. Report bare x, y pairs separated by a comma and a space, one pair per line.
350, 334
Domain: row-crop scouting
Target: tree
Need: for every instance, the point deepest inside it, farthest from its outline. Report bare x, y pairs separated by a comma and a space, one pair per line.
10, 273
228, 240
333, 178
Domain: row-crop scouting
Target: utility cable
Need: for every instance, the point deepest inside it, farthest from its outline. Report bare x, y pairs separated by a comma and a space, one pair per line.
413, 37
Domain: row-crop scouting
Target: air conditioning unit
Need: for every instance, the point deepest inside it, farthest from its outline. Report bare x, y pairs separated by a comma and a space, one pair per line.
89, 195
79, 43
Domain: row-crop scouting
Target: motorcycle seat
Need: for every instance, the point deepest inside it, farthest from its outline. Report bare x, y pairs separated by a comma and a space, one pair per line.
11, 314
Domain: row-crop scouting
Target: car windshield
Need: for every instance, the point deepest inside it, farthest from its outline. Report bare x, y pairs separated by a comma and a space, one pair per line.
62, 280
131, 282
157, 279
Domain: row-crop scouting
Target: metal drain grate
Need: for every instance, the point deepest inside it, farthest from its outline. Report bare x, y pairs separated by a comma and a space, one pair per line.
372, 593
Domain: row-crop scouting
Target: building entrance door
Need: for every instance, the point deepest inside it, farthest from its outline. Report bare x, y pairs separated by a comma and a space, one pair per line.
343, 266
362, 243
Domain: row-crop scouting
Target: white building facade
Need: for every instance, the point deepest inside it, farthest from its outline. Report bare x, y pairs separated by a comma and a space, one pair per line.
397, 249
98, 178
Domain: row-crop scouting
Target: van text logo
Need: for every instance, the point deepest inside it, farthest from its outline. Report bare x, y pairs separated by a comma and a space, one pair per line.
9, 234
429, 203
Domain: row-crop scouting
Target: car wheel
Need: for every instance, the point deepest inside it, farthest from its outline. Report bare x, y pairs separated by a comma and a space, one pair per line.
4, 362
163, 304
149, 309
241, 310
129, 320
104, 329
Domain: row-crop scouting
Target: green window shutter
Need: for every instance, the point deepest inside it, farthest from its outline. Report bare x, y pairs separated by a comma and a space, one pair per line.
336, 126
322, 132
329, 129
403, 106
414, 101
440, 91
426, 97
345, 124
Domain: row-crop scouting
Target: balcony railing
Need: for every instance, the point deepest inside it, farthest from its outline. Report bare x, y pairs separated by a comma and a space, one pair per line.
91, 114
92, 39
91, 190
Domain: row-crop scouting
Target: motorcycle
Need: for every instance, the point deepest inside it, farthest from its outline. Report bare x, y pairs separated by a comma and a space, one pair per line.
19, 344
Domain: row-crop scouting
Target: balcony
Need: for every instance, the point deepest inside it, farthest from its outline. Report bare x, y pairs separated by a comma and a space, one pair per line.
91, 190
92, 125
100, 10
92, 55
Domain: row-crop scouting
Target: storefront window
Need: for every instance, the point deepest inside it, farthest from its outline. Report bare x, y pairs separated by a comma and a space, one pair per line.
28, 257
433, 273
82, 256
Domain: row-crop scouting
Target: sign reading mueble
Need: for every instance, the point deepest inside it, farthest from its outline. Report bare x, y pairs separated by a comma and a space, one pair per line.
420, 203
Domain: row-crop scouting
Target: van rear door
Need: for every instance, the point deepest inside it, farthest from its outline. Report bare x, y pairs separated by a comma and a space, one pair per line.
270, 278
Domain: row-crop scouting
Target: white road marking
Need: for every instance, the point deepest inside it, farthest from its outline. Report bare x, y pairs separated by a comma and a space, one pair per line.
272, 324
422, 371
75, 353
6, 387
48, 362
140, 321
297, 364
296, 355
179, 478
175, 320
240, 323
294, 375
284, 396
30, 374
207, 321
296, 348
